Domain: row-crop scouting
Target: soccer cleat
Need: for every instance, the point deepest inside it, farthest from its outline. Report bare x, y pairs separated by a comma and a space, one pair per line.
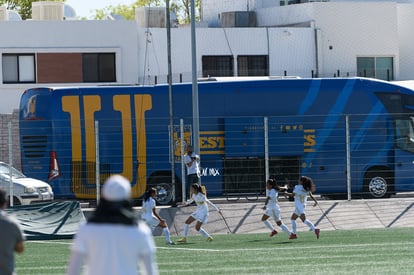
182, 240
292, 236
274, 232
170, 243
317, 231
209, 239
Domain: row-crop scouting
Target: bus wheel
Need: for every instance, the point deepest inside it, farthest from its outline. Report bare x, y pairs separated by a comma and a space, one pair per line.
164, 193
162, 183
376, 185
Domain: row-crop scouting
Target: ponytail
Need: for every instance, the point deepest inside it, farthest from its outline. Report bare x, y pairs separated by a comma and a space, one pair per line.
149, 193
198, 188
308, 184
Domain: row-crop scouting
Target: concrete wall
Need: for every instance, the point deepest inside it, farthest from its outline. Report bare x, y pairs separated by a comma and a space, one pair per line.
4, 138
344, 31
406, 40
68, 37
348, 31
289, 49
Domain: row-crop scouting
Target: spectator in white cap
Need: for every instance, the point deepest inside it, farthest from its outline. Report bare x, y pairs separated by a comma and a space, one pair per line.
113, 241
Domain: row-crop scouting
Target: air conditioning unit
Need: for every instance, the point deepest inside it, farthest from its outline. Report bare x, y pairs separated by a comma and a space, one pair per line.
4, 16
47, 10
151, 17
239, 19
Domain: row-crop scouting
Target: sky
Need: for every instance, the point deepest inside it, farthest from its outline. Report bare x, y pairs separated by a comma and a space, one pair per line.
85, 8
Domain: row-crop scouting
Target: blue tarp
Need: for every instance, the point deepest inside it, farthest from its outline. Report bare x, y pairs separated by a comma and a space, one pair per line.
54, 220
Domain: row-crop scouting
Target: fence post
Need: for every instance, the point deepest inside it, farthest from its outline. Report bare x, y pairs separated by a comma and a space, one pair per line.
183, 174
11, 193
266, 147
348, 158
97, 164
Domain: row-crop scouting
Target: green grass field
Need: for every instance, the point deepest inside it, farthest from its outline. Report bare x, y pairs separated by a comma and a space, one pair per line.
379, 251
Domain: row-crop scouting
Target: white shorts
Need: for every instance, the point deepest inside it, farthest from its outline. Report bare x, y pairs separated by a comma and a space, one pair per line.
274, 213
201, 216
152, 222
299, 210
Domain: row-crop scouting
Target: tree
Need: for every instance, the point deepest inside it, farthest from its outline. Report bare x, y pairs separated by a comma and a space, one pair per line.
23, 7
185, 10
181, 7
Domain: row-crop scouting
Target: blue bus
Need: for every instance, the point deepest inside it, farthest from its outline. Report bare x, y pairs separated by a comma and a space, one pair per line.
345, 133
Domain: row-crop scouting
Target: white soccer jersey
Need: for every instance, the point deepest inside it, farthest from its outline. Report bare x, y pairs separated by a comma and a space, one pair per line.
301, 196
147, 209
272, 208
272, 195
147, 213
114, 248
201, 213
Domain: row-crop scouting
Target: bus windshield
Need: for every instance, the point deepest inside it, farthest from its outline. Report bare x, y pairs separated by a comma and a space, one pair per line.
405, 133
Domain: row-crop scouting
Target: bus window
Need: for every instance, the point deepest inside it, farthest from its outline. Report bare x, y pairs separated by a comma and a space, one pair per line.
405, 134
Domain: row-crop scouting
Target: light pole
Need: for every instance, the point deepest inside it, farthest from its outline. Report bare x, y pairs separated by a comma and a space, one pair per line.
172, 160
196, 123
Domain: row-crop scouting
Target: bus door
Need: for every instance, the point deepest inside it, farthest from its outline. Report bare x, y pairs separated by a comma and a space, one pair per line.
404, 153
401, 107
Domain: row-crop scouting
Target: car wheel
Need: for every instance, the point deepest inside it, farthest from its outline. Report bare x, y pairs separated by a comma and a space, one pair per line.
16, 201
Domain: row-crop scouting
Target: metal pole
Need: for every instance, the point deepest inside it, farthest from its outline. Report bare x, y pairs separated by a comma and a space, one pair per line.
266, 144
348, 159
97, 164
266, 149
172, 160
11, 193
196, 125
183, 168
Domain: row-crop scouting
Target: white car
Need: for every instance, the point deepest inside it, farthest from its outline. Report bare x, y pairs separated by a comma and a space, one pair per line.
25, 190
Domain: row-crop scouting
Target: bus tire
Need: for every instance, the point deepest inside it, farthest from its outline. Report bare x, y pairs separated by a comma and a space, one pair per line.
164, 190
377, 185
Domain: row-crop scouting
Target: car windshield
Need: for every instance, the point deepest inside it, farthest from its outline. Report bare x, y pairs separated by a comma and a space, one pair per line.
5, 171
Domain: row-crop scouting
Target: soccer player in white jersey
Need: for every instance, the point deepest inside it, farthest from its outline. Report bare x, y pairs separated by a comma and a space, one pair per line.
300, 193
113, 241
272, 208
201, 213
150, 216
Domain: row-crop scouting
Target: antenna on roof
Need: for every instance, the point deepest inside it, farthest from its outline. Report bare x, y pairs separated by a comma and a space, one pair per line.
114, 16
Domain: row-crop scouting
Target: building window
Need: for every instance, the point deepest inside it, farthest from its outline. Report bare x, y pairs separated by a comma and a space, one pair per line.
376, 67
18, 68
252, 65
98, 67
214, 66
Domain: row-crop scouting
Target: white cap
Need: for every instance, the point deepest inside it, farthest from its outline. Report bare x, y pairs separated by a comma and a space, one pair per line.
116, 188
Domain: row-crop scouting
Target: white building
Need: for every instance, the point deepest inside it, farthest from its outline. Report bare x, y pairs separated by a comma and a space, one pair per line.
236, 38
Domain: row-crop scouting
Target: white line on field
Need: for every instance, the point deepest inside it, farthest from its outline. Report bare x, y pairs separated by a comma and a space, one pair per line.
49, 242
342, 246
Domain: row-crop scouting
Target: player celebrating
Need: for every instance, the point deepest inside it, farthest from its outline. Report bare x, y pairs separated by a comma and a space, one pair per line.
201, 213
150, 215
300, 194
272, 208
